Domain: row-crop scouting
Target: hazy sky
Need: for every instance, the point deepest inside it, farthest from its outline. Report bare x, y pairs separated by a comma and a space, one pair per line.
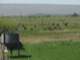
42, 1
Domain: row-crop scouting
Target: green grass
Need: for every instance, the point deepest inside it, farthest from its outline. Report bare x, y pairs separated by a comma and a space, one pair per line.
50, 26
52, 51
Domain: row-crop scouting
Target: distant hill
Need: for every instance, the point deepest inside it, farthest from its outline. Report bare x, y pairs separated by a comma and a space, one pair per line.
37, 9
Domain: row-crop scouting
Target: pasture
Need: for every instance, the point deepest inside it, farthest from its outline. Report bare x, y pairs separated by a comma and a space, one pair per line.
67, 50
40, 24
46, 37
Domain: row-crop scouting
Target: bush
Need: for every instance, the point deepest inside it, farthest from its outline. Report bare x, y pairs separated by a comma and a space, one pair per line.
31, 29
66, 24
58, 26
50, 28
75, 14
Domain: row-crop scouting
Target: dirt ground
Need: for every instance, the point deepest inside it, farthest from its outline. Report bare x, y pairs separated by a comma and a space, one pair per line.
52, 37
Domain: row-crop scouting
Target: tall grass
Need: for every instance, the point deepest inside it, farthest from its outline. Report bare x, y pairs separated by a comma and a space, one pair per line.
36, 24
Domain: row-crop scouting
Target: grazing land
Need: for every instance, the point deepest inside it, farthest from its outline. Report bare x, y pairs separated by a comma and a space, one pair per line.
46, 37
67, 50
43, 28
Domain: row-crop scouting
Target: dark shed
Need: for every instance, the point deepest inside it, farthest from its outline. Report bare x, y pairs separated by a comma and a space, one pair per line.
11, 40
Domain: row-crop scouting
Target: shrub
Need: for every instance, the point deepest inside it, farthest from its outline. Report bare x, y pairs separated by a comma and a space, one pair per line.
31, 29
50, 28
66, 24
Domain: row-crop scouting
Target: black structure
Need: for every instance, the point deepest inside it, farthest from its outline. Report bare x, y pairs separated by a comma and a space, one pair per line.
12, 41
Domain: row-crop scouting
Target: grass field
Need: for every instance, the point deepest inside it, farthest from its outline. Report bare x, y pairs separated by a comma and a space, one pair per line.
67, 50
38, 24
46, 37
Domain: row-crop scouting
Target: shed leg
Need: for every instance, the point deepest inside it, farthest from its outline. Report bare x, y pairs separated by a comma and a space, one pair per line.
11, 52
18, 52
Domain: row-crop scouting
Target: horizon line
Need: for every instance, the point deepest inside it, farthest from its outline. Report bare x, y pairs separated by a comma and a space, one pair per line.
40, 3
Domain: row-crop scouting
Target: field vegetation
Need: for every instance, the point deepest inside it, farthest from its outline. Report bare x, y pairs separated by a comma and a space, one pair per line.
43, 27
40, 23
46, 37
67, 50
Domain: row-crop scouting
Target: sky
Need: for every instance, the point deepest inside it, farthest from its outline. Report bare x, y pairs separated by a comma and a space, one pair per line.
77, 2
